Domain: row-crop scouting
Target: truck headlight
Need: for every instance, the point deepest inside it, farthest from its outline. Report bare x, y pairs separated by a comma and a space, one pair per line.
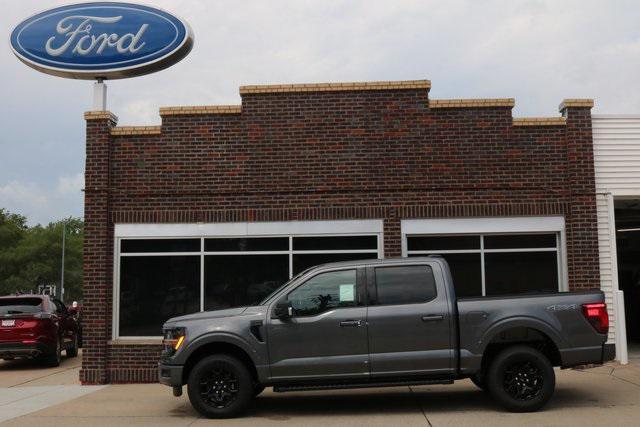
173, 340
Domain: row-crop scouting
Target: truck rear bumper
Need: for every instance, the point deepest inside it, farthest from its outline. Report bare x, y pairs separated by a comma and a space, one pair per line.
588, 355
608, 352
170, 375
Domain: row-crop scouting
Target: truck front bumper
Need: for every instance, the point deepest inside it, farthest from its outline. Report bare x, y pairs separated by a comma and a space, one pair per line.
170, 375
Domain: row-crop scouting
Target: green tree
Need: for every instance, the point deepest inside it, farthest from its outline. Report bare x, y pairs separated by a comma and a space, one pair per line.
32, 256
13, 228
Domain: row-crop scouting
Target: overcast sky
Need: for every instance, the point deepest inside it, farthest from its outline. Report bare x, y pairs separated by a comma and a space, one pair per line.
536, 51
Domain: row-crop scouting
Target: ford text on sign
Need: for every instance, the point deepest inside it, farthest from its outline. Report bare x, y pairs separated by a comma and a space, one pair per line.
101, 40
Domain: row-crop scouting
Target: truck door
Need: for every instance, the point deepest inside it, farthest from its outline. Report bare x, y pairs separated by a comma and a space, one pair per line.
409, 321
327, 335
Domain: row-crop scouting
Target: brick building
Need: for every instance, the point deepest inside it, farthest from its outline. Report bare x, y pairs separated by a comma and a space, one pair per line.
220, 204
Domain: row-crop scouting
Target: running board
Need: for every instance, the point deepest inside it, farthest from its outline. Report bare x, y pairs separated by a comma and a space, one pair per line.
368, 384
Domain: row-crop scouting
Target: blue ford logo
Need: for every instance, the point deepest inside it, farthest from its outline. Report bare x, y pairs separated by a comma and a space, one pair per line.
101, 40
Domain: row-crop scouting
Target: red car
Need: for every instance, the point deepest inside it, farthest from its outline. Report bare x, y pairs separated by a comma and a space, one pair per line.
37, 327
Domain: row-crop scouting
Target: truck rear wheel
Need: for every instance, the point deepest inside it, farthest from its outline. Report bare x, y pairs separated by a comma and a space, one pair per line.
480, 381
521, 379
220, 386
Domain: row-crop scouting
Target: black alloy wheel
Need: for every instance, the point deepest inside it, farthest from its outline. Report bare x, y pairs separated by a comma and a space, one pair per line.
220, 386
521, 379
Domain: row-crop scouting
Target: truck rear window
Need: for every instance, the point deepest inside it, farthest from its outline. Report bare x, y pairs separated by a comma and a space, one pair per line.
413, 284
20, 305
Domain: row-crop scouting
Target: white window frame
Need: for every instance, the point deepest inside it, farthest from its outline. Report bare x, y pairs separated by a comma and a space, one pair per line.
202, 231
491, 226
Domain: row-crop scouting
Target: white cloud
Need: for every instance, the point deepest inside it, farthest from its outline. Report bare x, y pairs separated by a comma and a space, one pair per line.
71, 184
17, 193
42, 204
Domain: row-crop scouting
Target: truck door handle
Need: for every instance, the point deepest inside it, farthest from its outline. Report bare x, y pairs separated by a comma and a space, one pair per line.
355, 323
432, 318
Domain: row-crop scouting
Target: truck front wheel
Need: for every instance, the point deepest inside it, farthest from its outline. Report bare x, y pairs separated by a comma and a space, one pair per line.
521, 379
220, 386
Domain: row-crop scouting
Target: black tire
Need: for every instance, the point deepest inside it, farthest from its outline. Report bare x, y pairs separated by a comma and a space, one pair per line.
480, 381
257, 389
54, 358
220, 386
521, 379
73, 350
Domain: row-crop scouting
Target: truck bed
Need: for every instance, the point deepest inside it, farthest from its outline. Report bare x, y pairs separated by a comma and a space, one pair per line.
558, 316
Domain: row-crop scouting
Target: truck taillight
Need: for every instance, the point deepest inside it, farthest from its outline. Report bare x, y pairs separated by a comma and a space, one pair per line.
597, 315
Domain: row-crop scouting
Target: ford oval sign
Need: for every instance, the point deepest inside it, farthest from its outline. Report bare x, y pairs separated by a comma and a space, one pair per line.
101, 40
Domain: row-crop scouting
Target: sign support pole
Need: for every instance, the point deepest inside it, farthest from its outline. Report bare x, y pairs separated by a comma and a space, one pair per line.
99, 96
64, 239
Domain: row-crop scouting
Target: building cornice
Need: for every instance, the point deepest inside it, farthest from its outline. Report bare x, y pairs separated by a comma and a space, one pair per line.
135, 130
573, 103
472, 103
202, 109
539, 121
100, 115
334, 87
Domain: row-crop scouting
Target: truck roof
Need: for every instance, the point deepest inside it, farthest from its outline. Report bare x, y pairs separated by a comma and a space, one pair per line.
375, 261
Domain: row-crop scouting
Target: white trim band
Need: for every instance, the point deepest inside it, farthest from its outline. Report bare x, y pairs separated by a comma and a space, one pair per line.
249, 228
531, 224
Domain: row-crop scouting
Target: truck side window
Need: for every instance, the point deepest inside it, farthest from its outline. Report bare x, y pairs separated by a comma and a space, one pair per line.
334, 289
413, 284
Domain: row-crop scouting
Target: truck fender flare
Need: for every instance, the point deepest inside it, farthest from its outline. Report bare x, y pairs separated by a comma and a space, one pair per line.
521, 322
220, 337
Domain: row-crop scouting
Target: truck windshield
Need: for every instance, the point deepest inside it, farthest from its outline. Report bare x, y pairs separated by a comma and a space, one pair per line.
20, 305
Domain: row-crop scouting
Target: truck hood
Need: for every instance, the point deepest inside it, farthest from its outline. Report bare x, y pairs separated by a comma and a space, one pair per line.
213, 314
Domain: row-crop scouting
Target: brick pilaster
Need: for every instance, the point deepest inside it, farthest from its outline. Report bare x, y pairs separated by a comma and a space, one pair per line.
98, 249
581, 220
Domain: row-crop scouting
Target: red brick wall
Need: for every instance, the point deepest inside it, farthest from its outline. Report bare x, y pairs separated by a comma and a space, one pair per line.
328, 155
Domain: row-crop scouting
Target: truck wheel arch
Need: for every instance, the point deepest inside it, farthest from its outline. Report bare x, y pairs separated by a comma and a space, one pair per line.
522, 331
218, 344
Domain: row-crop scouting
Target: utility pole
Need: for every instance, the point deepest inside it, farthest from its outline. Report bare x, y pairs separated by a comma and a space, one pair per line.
64, 240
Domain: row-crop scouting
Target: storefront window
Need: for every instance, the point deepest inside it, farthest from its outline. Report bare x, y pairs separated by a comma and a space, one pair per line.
163, 278
155, 288
495, 264
237, 280
521, 272
303, 261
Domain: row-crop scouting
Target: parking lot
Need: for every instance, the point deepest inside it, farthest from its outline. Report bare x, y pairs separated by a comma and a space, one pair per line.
31, 395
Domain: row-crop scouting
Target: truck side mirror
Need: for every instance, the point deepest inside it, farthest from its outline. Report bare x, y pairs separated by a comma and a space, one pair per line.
283, 310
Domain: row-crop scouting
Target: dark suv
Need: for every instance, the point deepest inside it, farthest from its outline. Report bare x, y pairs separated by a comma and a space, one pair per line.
37, 327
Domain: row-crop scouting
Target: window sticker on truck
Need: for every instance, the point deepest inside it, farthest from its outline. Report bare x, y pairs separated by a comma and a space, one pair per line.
347, 293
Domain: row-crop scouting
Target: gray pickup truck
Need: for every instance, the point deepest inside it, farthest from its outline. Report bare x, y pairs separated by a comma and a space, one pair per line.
382, 323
